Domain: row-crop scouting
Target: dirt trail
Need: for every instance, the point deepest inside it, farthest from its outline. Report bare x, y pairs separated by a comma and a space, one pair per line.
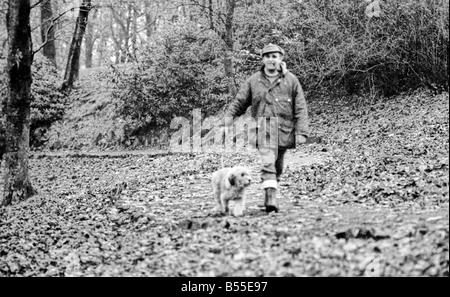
162, 223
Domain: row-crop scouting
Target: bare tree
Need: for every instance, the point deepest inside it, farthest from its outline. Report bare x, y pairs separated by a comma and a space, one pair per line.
121, 30
48, 31
227, 37
210, 14
150, 19
134, 31
90, 40
220, 16
73, 59
16, 104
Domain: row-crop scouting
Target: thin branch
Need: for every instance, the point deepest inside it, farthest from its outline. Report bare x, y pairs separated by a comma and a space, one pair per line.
36, 4
55, 19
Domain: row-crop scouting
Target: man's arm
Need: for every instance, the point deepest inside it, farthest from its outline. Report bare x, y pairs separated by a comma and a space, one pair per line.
240, 103
300, 112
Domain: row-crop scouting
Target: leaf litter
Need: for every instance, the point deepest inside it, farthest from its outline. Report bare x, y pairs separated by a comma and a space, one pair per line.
370, 199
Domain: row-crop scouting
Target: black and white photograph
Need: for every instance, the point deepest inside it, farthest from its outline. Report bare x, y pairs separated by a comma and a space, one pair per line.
224, 146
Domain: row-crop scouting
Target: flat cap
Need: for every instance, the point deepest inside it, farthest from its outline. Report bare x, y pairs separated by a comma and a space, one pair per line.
272, 48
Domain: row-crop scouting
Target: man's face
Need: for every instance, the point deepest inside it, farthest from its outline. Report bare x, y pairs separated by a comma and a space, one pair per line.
272, 61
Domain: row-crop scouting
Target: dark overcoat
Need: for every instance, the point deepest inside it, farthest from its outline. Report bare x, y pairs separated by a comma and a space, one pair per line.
283, 99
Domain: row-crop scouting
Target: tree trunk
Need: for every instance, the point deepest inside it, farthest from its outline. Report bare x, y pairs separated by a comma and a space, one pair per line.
89, 42
115, 39
126, 51
134, 33
211, 20
229, 42
122, 36
73, 60
48, 31
101, 49
16, 104
148, 21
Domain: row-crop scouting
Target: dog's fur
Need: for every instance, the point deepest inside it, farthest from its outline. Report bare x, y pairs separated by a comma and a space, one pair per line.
230, 184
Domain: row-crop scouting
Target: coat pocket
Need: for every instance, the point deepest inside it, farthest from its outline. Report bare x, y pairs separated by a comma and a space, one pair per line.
286, 135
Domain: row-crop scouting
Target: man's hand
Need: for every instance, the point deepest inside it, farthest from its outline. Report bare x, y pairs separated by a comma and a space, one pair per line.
301, 139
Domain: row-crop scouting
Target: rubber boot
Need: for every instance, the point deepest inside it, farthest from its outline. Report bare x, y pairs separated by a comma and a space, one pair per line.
270, 200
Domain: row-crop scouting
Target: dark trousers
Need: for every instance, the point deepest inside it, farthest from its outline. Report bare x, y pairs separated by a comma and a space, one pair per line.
272, 165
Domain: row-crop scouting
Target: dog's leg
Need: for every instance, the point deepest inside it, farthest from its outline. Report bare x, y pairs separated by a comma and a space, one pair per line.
239, 207
217, 195
225, 200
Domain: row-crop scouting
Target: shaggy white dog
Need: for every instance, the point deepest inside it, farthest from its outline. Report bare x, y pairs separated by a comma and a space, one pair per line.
230, 184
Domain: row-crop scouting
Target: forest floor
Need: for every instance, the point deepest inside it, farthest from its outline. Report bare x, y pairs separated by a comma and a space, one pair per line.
371, 198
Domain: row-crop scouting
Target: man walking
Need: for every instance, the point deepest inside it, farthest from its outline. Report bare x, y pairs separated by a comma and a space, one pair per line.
273, 92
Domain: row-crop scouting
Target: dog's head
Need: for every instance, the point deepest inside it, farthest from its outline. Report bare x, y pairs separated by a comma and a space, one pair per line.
239, 177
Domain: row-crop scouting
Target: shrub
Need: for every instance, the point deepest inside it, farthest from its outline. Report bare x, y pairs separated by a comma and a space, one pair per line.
177, 73
335, 45
48, 103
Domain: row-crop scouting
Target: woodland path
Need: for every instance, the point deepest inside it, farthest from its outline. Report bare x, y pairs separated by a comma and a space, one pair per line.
149, 213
